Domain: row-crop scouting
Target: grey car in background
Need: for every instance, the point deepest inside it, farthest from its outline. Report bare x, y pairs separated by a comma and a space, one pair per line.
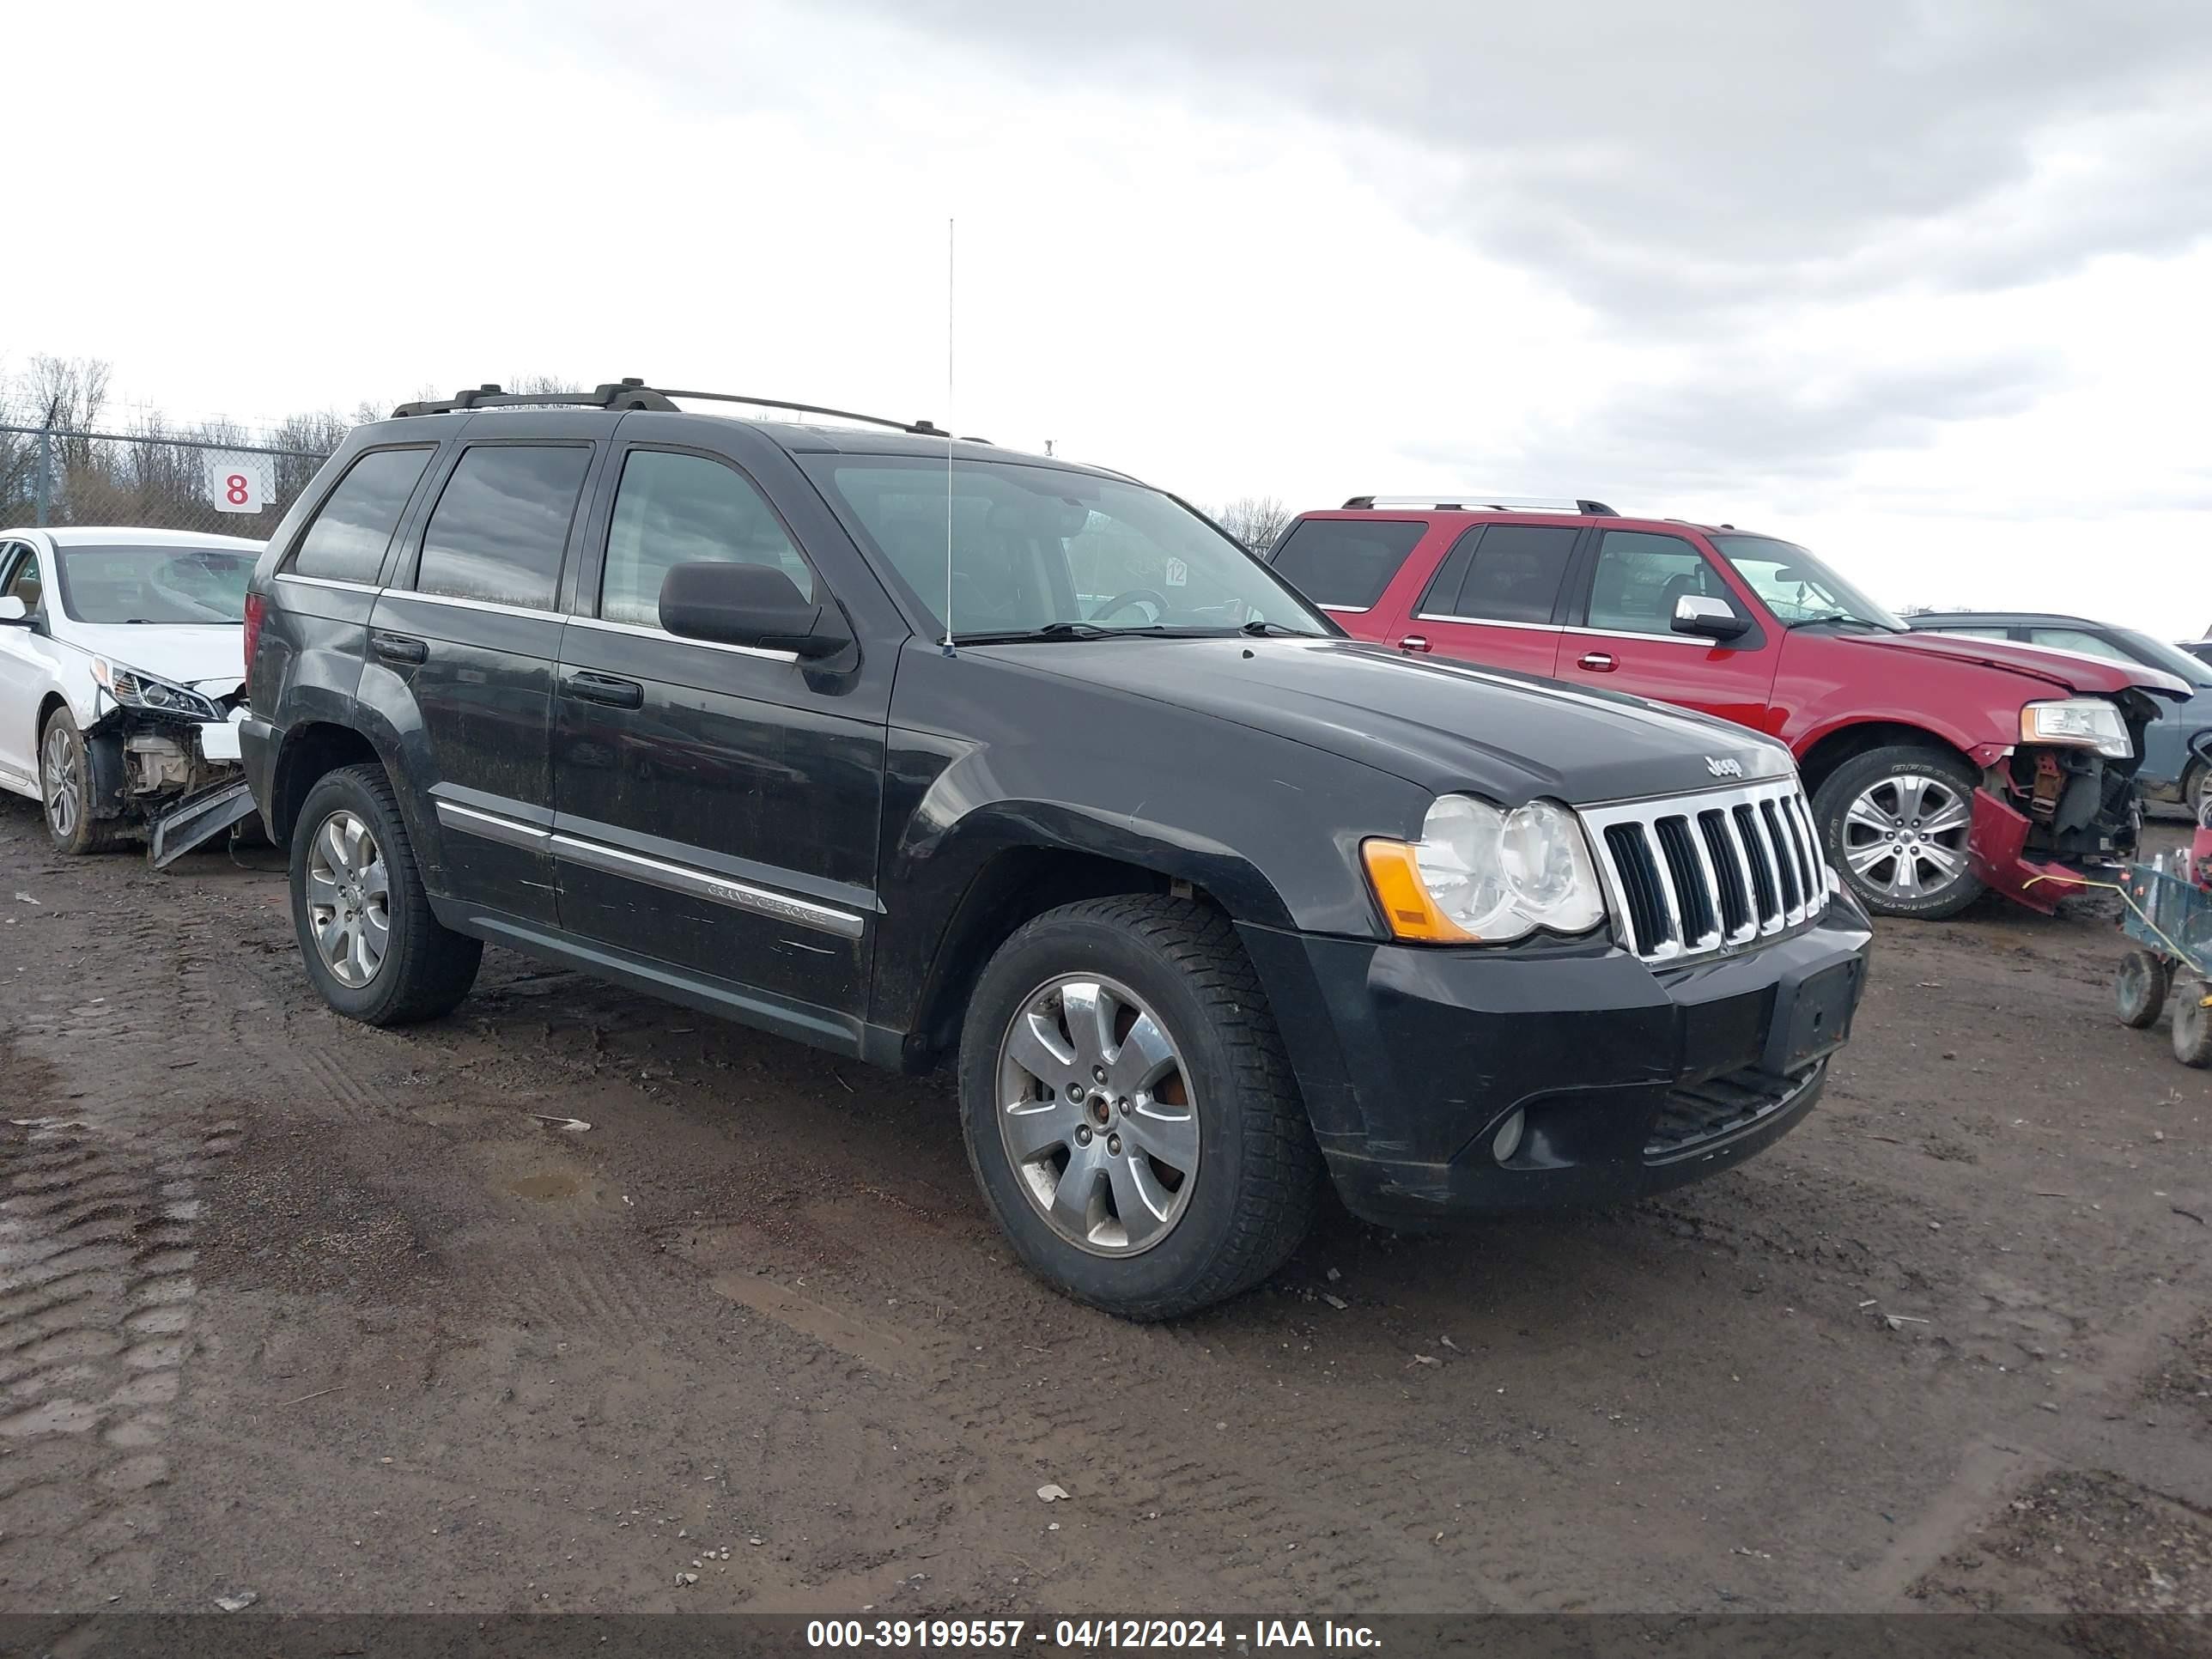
2170, 771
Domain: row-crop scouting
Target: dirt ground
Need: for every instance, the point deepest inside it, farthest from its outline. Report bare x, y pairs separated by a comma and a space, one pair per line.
352, 1321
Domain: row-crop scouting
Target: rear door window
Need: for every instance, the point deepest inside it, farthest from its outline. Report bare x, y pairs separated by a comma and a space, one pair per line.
1510, 573
353, 528
502, 524
1344, 564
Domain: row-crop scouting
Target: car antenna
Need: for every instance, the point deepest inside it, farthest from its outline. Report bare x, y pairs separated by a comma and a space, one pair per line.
951, 425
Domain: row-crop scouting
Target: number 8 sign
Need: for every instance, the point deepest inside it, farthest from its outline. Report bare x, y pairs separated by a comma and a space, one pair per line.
232, 488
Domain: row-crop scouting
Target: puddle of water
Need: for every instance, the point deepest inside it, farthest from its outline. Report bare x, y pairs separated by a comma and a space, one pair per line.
547, 1186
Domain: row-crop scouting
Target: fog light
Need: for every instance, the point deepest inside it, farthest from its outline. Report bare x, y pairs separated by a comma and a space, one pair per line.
1507, 1140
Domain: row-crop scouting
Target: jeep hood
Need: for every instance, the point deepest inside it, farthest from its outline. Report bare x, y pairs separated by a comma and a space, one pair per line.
1444, 726
2065, 670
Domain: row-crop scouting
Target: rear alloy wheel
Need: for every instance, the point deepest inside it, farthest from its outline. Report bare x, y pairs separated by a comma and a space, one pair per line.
1130, 1114
1896, 823
371, 943
348, 899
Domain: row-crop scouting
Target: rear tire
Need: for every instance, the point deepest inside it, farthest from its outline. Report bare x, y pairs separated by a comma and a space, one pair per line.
1233, 1186
1895, 822
65, 790
2140, 988
2192, 1024
373, 948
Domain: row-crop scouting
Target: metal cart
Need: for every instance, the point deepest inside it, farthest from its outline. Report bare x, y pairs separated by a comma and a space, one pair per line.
2169, 917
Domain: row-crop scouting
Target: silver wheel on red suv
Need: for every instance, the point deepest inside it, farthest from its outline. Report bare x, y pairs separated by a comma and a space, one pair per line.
1896, 822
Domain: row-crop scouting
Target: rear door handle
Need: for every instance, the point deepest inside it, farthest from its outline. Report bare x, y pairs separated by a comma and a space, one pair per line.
604, 688
1414, 642
1598, 662
399, 647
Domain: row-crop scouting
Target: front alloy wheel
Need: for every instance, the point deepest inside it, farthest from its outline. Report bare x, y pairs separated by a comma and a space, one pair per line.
1905, 836
63, 780
1097, 1115
348, 899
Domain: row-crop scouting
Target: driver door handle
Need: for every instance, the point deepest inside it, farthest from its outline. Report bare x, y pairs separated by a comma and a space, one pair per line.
1414, 642
1598, 662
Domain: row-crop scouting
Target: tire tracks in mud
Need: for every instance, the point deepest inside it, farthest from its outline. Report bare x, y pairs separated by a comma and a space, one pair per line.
1143, 1448
100, 1199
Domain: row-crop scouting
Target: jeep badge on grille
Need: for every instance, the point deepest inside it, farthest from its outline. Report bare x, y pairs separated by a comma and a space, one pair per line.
1723, 768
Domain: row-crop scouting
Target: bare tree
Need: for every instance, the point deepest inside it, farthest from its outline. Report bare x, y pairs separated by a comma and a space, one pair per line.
1254, 521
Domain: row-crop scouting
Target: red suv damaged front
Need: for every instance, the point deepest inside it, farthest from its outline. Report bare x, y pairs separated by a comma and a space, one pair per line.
1938, 766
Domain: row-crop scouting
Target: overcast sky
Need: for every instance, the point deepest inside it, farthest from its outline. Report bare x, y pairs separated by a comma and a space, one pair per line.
1923, 285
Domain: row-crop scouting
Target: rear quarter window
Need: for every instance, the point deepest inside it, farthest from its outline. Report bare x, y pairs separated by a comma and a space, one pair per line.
1345, 564
354, 524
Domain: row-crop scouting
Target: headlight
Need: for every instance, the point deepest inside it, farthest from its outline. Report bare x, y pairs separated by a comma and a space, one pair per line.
2081, 722
135, 689
1477, 874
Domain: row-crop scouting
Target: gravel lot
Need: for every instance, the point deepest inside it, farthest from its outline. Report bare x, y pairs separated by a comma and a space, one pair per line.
341, 1318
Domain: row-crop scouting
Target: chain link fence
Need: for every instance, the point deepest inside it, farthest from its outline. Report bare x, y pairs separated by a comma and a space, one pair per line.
208, 480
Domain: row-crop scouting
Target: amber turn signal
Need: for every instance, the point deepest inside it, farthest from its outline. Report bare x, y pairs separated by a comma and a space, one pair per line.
1396, 875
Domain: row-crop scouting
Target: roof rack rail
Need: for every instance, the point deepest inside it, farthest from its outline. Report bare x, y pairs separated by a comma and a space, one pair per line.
1480, 503
634, 394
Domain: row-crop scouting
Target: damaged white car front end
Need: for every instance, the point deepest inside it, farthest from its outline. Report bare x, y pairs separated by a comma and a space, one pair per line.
122, 683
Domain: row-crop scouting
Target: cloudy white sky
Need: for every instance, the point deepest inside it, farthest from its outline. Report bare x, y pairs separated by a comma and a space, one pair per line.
1923, 284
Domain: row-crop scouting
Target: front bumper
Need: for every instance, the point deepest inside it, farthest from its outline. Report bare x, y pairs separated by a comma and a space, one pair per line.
1996, 853
1630, 1080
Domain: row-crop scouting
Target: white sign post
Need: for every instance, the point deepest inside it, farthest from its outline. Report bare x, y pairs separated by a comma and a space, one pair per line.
234, 484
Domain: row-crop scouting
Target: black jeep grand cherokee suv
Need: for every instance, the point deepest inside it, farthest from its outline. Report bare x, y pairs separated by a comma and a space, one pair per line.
1206, 897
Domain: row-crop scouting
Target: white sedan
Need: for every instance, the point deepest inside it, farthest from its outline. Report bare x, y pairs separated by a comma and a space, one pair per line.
121, 671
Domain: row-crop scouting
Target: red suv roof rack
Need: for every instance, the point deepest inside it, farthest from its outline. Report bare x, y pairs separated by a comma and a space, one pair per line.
1489, 504
634, 394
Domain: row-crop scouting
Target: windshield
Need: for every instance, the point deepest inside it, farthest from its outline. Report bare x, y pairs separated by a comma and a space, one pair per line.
154, 584
2174, 660
1797, 588
1038, 548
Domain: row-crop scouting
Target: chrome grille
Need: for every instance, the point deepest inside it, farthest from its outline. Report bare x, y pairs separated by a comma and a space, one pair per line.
1694, 873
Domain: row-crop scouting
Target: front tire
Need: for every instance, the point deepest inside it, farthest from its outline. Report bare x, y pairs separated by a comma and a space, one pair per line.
65, 790
1895, 822
373, 948
1129, 1112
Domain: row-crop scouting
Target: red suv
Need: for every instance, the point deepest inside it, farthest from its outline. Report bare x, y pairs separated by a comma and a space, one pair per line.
1937, 766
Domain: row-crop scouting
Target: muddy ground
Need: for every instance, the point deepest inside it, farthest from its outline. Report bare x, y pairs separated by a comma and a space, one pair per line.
338, 1317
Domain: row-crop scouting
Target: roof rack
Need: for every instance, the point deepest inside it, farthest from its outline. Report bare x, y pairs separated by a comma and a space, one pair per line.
1478, 503
634, 394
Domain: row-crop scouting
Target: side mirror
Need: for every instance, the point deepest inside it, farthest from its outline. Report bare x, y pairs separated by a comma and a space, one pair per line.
13, 610
1708, 619
751, 605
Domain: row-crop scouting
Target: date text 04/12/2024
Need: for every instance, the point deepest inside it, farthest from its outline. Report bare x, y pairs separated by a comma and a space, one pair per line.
1085, 1635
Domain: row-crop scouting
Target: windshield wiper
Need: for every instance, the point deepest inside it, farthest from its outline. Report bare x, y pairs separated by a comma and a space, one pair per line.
1259, 628
1838, 616
1057, 630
